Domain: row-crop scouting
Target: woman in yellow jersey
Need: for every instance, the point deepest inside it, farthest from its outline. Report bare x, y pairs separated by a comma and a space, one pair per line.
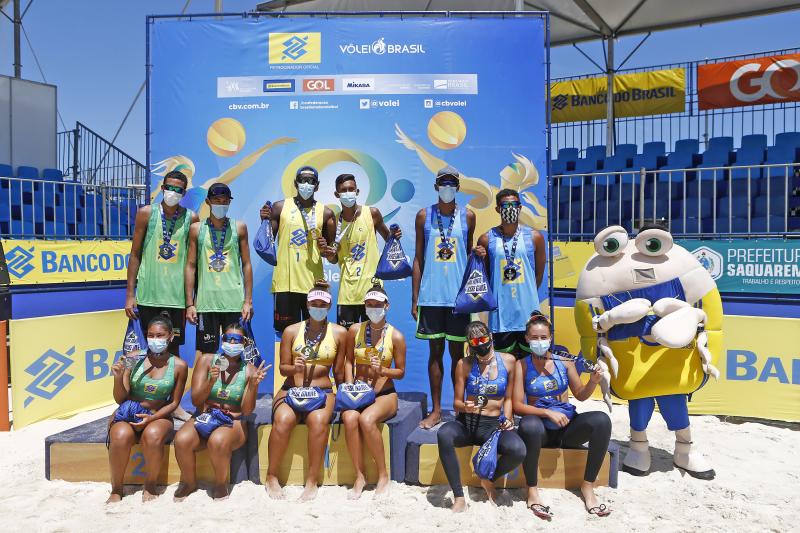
309, 351
371, 348
224, 389
148, 389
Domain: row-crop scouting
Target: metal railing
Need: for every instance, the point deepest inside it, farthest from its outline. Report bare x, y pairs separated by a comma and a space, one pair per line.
628, 198
34, 208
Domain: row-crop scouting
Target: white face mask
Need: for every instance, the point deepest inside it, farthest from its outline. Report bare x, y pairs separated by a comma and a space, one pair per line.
306, 190
318, 313
219, 211
157, 346
376, 314
539, 347
172, 198
447, 193
348, 199
231, 348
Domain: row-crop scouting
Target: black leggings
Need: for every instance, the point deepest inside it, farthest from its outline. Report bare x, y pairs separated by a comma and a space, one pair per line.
474, 430
594, 427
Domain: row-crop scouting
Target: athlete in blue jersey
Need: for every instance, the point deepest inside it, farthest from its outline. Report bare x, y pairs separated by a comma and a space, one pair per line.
515, 260
444, 240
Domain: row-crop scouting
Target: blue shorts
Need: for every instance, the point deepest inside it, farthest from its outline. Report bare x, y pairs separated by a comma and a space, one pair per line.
674, 410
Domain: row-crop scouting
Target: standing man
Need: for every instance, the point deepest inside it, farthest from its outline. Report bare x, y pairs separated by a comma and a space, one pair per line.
219, 245
444, 240
355, 248
304, 228
515, 257
158, 258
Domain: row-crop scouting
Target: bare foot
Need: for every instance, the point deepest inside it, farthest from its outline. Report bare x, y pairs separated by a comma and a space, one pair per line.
220, 492
115, 497
149, 494
309, 493
274, 489
459, 505
358, 487
382, 488
183, 491
491, 491
431, 420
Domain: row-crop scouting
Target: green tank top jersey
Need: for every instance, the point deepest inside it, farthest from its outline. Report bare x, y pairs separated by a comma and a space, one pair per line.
231, 393
223, 291
160, 281
145, 388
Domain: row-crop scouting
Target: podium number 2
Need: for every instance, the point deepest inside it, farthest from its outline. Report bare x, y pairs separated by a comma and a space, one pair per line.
138, 464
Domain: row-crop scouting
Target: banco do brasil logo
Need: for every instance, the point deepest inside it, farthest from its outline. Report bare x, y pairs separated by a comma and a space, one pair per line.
50, 375
298, 237
19, 260
293, 48
560, 101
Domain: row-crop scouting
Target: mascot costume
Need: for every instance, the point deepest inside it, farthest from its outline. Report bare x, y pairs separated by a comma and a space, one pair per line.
649, 312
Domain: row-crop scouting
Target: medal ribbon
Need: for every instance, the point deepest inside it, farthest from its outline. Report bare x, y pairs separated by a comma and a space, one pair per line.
341, 231
166, 234
510, 257
218, 247
309, 217
446, 237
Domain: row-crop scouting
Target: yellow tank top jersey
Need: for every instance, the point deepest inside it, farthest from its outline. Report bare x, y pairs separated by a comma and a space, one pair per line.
299, 260
358, 258
326, 355
384, 347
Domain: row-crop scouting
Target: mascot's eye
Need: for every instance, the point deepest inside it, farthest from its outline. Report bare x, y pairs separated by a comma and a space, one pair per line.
611, 245
653, 245
611, 241
654, 242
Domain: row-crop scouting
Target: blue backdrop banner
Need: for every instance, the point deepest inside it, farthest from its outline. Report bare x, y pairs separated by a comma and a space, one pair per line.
249, 100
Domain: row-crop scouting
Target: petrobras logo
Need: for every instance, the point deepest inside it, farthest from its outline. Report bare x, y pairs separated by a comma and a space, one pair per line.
295, 48
19, 260
381, 47
316, 85
444, 85
279, 86
711, 260
50, 377
358, 84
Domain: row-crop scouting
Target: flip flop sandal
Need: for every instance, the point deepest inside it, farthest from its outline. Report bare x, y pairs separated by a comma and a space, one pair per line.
541, 511
600, 510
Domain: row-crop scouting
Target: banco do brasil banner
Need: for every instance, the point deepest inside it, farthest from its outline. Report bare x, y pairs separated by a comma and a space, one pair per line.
641, 93
247, 101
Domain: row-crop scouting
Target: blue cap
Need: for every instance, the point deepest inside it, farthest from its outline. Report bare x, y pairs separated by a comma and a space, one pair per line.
219, 189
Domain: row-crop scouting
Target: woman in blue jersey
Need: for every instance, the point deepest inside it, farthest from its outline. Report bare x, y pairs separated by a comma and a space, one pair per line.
483, 387
515, 260
541, 397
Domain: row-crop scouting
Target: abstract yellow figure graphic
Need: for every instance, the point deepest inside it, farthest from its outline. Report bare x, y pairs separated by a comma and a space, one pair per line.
446, 130
226, 137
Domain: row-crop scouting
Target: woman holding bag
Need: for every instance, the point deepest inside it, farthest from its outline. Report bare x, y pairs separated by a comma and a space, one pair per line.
309, 351
549, 420
369, 397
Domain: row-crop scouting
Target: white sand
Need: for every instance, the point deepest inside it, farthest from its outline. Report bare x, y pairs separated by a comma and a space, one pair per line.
756, 489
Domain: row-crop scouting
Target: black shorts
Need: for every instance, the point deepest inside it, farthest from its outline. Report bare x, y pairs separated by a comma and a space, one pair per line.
290, 308
512, 342
347, 315
441, 323
210, 327
178, 318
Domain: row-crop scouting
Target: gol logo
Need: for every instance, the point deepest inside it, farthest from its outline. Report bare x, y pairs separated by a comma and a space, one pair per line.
749, 82
317, 85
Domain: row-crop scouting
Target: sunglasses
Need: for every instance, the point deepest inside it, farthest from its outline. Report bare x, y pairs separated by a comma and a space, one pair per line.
173, 188
510, 204
477, 341
305, 178
233, 337
447, 183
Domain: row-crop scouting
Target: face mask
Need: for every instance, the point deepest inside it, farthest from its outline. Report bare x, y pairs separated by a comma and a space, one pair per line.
539, 347
231, 348
171, 198
157, 346
219, 211
348, 199
509, 215
447, 193
318, 313
306, 190
376, 314
481, 350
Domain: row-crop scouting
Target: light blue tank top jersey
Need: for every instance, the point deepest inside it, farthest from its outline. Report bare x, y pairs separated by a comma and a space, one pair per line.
516, 298
441, 278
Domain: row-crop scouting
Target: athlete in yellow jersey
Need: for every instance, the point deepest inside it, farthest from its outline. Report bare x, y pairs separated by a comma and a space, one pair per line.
355, 248
304, 227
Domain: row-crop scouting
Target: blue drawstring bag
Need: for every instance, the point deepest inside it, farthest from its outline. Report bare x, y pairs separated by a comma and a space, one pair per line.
206, 423
251, 353
485, 461
548, 402
393, 263
475, 294
134, 342
264, 244
354, 396
127, 411
306, 399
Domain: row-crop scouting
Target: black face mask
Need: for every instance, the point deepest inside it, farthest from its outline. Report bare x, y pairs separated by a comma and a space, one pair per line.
481, 350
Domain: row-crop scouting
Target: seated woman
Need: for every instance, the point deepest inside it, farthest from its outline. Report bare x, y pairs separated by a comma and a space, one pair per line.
148, 391
540, 385
482, 394
371, 348
309, 350
224, 389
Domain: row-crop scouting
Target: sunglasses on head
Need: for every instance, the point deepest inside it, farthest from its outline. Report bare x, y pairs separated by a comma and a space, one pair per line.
477, 341
511, 203
233, 337
173, 188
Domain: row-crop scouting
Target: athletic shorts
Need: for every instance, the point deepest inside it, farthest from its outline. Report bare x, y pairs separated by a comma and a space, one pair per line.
178, 317
210, 327
441, 323
512, 342
347, 315
290, 308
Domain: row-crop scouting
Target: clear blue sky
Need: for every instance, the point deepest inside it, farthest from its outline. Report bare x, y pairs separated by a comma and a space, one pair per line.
94, 50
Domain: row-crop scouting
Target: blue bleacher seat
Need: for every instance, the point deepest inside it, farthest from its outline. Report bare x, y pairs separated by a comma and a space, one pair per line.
558, 167
731, 224
6, 171
777, 205
776, 223
789, 139
654, 148
568, 154
781, 154
31, 173
748, 156
626, 151
687, 146
731, 205
721, 144
754, 142
595, 153
586, 166
715, 157
52, 174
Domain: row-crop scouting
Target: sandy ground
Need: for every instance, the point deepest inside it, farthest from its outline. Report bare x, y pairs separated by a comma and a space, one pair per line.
757, 489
